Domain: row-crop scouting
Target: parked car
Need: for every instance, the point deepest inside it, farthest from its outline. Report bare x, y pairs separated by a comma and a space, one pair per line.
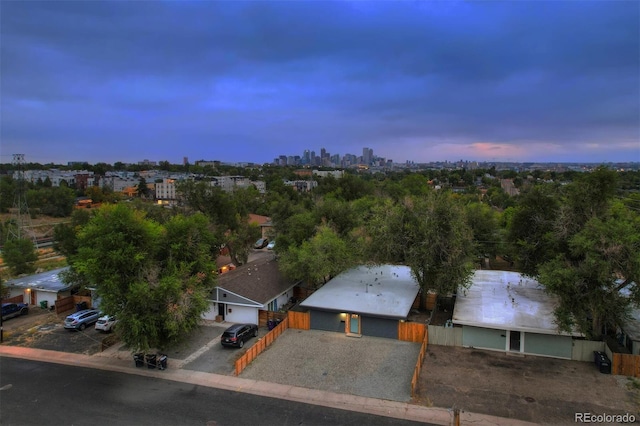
261, 243
81, 319
271, 245
106, 323
237, 334
10, 310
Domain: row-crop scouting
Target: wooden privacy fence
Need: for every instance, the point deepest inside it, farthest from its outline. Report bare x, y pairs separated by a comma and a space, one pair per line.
625, 364
299, 320
15, 299
265, 316
416, 371
411, 331
69, 303
260, 346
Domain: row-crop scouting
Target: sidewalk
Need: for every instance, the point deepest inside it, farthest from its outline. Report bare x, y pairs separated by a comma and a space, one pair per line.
109, 360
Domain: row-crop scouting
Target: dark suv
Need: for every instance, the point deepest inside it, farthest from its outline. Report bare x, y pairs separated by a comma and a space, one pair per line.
237, 334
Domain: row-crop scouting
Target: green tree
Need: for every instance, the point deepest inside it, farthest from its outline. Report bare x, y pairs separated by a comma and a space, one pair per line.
240, 240
65, 234
58, 201
7, 190
317, 260
155, 278
142, 189
595, 260
486, 231
227, 213
531, 230
596, 278
583, 245
428, 234
20, 255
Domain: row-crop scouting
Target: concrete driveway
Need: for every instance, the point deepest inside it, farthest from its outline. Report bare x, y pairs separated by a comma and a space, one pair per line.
214, 358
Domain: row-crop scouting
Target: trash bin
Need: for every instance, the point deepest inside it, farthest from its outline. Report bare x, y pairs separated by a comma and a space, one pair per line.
162, 362
602, 362
81, 306
44, 304
139, 359
151, 360
271, 324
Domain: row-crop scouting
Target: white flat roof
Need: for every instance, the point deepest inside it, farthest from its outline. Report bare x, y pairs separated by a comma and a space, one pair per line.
382, 291
507, 301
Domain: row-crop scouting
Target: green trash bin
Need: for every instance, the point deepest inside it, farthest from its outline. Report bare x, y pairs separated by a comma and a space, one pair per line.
44, 304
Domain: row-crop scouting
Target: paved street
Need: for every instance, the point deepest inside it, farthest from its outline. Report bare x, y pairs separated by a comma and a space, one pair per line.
37, 393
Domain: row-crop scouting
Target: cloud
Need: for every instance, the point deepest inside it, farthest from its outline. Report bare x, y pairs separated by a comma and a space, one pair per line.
268, 78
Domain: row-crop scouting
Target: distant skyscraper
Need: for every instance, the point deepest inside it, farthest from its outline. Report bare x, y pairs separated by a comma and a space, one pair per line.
367, 155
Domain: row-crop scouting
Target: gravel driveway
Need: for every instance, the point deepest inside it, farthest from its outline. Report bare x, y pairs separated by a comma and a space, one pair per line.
365, 366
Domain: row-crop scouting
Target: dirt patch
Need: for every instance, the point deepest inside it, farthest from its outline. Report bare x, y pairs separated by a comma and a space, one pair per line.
45, 330
536, 389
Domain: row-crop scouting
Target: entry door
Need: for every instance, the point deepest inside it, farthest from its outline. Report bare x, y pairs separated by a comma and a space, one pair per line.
514, 341
354, 325
221, 309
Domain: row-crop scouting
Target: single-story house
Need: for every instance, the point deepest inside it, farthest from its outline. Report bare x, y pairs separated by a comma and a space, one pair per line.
366, 300
506, 311
38, 288
242, 292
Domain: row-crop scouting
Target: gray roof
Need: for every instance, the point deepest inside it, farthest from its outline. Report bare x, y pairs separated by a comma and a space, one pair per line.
382, 291
47, 281
255, 283
506, 301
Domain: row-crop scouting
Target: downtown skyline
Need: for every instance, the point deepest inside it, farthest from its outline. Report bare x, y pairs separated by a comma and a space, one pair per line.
249, 81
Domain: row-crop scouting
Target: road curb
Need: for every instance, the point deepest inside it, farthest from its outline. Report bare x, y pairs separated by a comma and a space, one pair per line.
394, 409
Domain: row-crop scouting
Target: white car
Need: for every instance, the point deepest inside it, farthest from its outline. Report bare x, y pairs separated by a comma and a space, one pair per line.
106, 323
271, 245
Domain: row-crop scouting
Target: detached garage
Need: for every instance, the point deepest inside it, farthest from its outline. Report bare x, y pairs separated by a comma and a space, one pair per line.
364, 301
506, 311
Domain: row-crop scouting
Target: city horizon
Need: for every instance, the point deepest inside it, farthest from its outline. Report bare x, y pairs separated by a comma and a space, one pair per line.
550, 82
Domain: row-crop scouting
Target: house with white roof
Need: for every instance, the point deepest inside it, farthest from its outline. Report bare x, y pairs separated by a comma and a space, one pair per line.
506, 311
366, 300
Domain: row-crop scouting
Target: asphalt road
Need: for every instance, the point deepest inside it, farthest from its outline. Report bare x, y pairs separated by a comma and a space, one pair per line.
36, 393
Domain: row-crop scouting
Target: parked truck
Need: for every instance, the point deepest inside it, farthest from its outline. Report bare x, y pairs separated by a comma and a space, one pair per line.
10, 310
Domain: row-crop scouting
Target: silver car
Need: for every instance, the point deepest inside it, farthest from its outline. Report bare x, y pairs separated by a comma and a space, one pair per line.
80, 320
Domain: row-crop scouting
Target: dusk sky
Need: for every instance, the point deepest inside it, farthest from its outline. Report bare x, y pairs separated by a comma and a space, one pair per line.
240, 81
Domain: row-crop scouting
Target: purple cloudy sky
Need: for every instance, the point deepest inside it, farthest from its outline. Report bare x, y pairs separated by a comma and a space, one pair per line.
247, 81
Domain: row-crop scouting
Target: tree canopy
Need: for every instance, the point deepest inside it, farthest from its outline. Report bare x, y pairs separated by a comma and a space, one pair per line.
155, 278
583, 244
430, 235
